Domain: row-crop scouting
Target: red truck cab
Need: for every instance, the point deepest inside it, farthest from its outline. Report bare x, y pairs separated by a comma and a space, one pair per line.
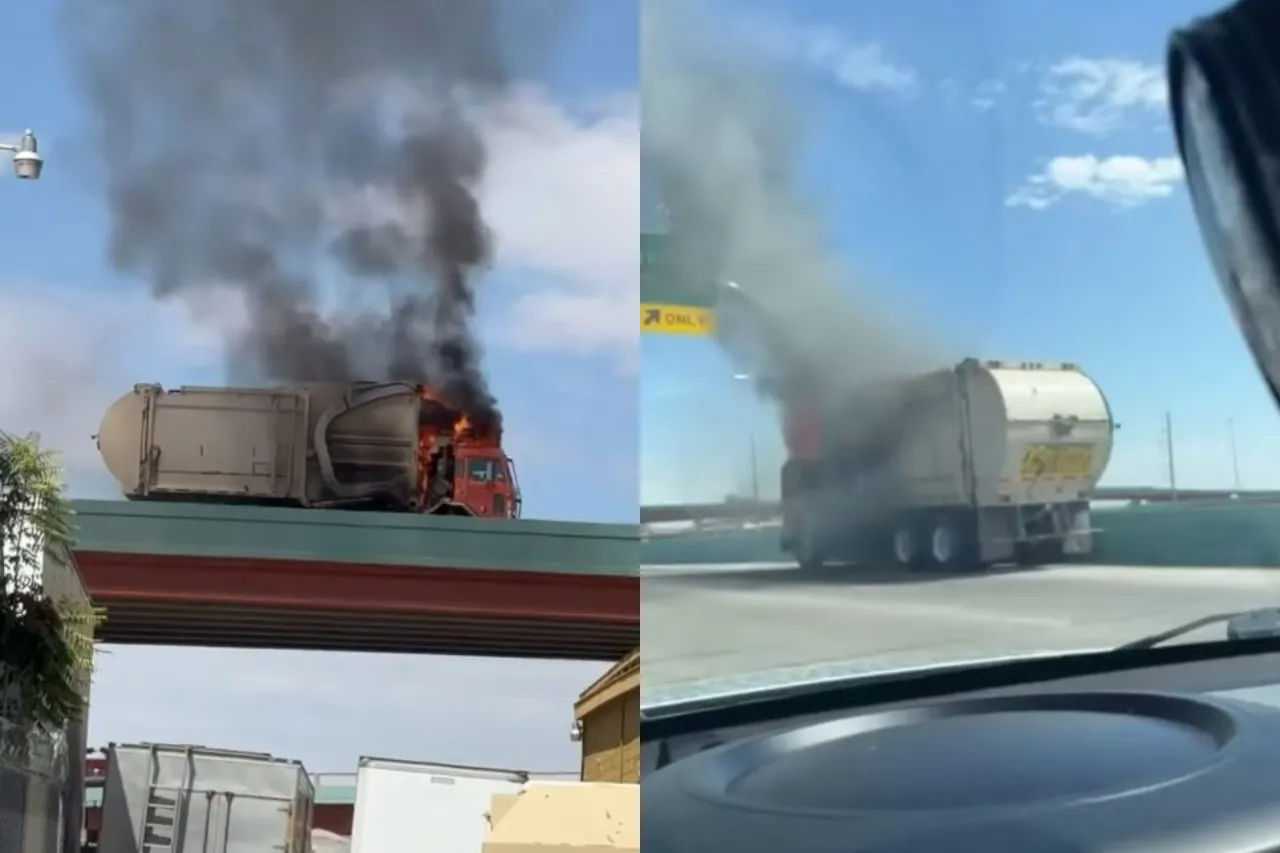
485, 483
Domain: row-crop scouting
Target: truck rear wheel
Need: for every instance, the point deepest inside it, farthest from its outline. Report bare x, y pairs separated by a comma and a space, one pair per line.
809, 551
904, 546
809, 558
1039, 552
951, 546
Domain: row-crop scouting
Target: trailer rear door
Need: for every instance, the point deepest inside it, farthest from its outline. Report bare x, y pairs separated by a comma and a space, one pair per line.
219, 441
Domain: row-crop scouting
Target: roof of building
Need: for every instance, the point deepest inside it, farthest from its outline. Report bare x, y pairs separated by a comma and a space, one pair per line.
619, 679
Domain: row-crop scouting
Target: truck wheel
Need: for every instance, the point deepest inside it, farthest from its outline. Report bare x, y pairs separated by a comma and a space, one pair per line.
1039, 553
904, 547
810, 559
950, 548
809, 553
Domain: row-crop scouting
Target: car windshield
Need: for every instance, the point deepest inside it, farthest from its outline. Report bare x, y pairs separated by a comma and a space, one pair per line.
937, 365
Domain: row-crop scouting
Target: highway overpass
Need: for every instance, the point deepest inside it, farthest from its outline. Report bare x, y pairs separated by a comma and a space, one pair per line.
270, 577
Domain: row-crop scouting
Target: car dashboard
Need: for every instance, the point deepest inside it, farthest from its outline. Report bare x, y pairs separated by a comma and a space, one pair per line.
1178, 750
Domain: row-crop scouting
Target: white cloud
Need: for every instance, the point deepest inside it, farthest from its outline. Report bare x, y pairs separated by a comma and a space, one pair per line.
987, 94
564, 196
1096, 96
858, 65
849, 62
575, 320
1123, 181
981, 97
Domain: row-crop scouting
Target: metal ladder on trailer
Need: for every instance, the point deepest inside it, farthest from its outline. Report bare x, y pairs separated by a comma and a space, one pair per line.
162, 822
1024, 524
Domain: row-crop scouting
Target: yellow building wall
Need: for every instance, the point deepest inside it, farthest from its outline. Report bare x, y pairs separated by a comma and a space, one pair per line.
611, 732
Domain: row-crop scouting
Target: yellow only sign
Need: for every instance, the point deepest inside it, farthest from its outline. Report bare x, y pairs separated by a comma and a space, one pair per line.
676, 319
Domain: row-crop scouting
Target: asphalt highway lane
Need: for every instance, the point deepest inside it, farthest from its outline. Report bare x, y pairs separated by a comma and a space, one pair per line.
731, 623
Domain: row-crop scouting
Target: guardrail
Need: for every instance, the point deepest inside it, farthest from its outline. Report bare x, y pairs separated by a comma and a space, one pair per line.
748, 509
1197, 534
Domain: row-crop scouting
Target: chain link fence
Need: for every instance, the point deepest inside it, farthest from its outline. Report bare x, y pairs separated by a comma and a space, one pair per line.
33, 768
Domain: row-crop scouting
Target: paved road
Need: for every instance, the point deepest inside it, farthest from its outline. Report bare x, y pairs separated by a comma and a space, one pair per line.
735, 621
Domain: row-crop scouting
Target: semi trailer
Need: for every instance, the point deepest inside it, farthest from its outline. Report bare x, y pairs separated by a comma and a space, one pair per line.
979, 463
392, 446
176, 798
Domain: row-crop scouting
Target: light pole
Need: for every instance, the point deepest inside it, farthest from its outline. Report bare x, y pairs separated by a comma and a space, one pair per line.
755, 467
27, 162
1235, 456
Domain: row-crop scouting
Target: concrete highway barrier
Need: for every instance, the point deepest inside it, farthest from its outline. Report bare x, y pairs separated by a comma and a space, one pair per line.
1220, 534
1169, 534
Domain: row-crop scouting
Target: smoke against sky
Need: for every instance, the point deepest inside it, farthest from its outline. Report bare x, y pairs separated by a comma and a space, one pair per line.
237, 133
553, 308
721, 143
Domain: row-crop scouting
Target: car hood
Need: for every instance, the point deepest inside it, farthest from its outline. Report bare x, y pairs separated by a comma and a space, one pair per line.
667, 699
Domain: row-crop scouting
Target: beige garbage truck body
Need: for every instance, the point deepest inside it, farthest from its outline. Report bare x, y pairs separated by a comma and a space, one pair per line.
982, 462
385, 445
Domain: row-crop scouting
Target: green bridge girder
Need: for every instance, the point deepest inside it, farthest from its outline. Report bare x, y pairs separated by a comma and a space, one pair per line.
218, 530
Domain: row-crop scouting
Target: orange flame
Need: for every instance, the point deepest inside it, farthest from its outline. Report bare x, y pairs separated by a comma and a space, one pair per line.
433, 434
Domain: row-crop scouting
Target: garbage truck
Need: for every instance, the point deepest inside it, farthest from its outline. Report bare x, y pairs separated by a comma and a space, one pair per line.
391, 446
978, 463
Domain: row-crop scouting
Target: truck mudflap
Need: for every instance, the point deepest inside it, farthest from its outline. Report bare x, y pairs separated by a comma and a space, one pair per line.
1079, 543
1062, 522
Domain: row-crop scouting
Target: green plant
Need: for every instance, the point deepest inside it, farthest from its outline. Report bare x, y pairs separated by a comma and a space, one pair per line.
46, 646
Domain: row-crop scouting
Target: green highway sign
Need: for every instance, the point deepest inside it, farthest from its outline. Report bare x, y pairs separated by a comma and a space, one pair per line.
661, 281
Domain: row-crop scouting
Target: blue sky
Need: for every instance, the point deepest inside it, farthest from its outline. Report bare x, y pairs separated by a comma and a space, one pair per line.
1000, 175
558, 323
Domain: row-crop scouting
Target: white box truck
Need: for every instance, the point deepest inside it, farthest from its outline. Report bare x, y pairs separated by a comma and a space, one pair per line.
982, 462
408, 805
170, 798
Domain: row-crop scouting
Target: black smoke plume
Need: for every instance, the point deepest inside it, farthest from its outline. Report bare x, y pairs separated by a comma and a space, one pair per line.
720, 140
260, 145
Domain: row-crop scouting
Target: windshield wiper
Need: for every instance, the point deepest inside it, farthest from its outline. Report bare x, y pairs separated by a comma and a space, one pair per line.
1241, 625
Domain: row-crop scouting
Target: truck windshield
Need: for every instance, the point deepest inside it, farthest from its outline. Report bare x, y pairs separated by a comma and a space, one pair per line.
483, 471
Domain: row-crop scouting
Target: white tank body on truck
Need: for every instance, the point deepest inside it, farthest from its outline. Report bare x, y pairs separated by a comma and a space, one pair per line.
385, 445
984, 462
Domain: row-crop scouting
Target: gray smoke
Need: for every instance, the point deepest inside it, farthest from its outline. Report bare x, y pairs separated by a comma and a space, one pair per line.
720, 139
234, 134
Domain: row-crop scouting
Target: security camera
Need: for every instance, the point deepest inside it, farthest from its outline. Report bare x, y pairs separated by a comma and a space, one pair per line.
27, 162
27, 165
